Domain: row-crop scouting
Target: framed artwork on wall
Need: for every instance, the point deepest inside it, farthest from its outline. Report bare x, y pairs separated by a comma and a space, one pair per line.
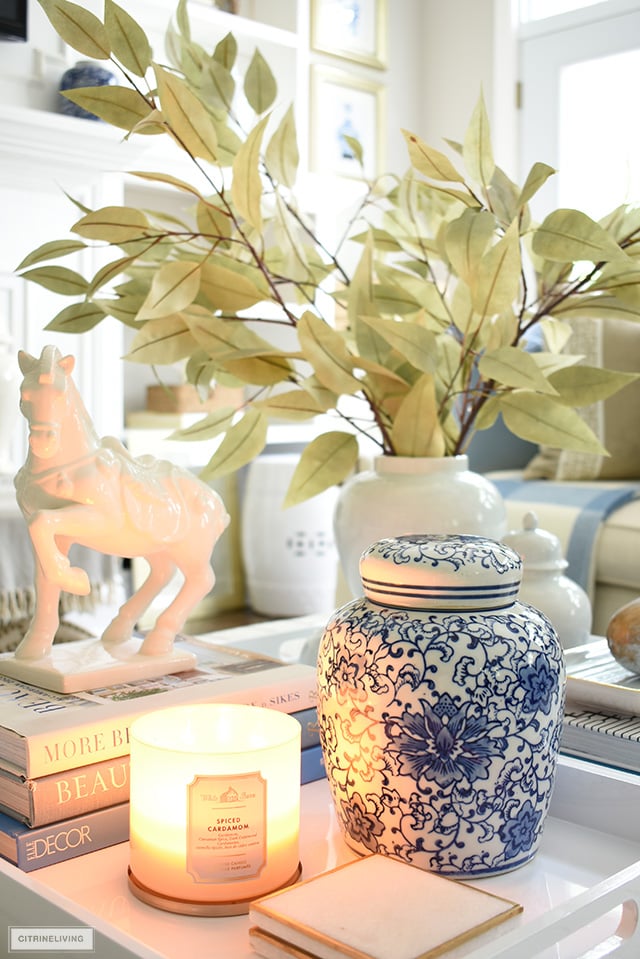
351, 29
345, 109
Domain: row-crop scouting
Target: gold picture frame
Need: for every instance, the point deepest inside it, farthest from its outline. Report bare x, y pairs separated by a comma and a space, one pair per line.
343, 106
351, 30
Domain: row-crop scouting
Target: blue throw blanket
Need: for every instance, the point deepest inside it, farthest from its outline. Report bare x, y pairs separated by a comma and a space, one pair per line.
573, 511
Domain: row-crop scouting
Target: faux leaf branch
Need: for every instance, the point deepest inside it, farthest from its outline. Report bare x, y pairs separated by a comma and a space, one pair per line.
425, 340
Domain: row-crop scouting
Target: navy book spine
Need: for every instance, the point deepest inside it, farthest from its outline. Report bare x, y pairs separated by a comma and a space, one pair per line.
312, 765
31, 849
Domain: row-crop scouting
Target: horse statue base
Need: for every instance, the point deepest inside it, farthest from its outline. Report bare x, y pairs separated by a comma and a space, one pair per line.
76, 487
87, 664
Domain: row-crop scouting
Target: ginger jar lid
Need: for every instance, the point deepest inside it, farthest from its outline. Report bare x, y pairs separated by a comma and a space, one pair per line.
441, 572
539, 549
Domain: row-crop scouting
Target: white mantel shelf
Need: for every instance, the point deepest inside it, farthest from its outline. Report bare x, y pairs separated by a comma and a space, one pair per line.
46, 142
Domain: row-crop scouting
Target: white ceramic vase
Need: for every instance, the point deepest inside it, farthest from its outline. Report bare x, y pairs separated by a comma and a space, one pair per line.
403, 495
289, 557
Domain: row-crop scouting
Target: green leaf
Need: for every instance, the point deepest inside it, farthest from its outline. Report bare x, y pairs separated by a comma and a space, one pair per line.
188, 119
466, 240
246, 188
355, 147
541, 419
600, 307
182, 19
151, 125
414, 342
427, 295
243, 441
393, 298
226, 51
78, 27
210, 426
384, 241
477, 151
582, 385
122, 308
218, 86
167, 179
119, 106
113, 224
173, 287
416, 429
128, 40
108, 272
566, 236
431, 163
556, 333
488, 414
190, 61
264, 370
282, 155
51, 251
228, 145
326, 399
327, 353
213, 222
291, 405
77, 318
228, 290
326, 460
447, 191
498, 279
235, 348
360, 303
511, 366
162, 341
536, 178
622, 280
58, 279
260, 87
502, 200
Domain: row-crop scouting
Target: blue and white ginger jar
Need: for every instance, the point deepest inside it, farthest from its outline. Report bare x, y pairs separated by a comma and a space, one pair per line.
440, 706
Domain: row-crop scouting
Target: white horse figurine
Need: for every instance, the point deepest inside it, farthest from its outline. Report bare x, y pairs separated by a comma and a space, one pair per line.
76, 488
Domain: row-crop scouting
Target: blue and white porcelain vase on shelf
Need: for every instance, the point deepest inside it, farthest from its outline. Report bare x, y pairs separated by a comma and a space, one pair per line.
440, 707
85, 73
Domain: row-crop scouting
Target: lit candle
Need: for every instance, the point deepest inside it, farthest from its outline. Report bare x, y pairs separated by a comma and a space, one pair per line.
214, 806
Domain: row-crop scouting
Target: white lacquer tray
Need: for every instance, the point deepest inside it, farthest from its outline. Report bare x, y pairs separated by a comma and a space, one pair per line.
580, 893
595, 680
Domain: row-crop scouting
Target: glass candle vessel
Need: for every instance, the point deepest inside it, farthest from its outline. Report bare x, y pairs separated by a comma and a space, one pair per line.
214, 806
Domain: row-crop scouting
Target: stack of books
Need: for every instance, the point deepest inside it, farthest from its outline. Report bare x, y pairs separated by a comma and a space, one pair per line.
64, 758
611, 739
602, 715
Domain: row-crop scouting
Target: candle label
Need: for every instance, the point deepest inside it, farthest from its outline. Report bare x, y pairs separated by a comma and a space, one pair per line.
226, 827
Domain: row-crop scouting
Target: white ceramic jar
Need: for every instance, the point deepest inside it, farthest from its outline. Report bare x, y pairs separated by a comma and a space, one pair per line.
440, 703
545, 586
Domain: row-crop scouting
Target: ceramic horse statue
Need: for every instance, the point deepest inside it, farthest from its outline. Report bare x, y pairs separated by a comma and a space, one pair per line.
77, 488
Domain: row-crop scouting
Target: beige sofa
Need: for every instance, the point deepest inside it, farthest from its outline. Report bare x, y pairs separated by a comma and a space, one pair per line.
612, 577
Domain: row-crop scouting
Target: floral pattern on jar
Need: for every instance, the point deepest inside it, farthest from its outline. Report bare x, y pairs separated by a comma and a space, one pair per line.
440, 732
